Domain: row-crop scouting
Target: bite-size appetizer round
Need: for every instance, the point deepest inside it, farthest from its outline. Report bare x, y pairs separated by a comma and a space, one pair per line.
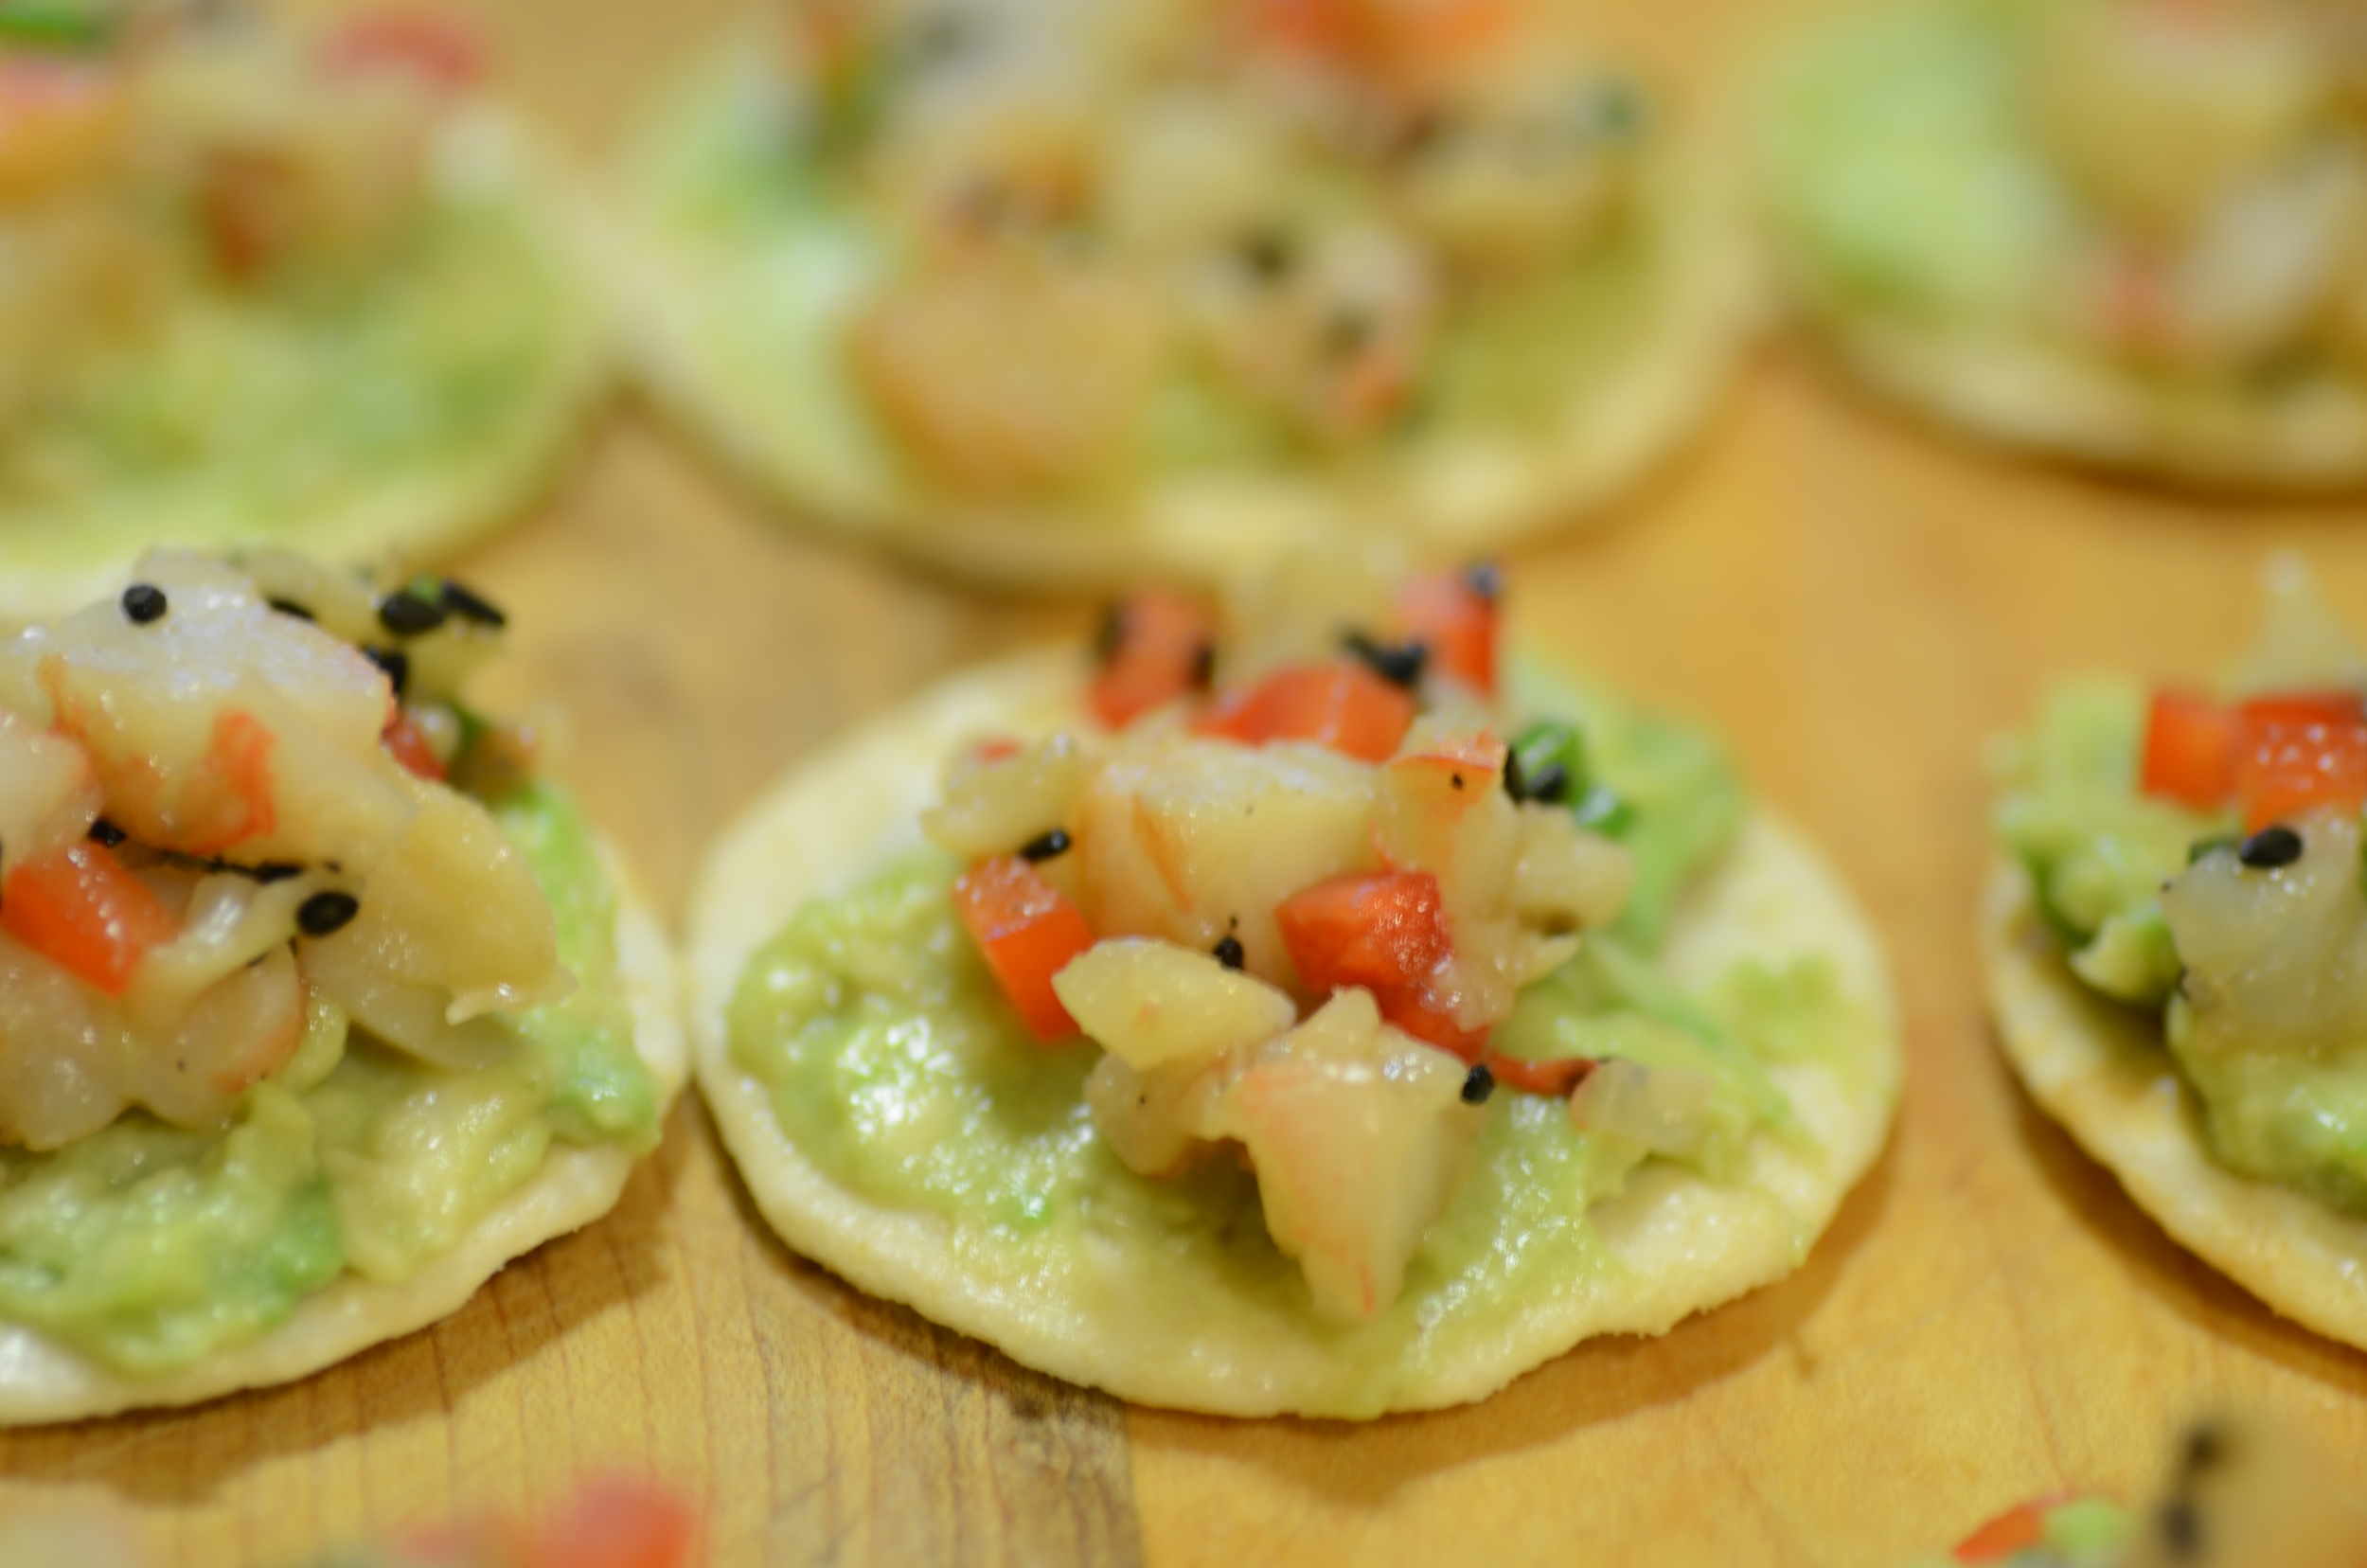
2238, 1492
260, 285
1055, 293
316, 1006
2129, 231
2173, 940
1285, 1013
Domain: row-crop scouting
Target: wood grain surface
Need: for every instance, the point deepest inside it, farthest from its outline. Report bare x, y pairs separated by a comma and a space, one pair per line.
1858, 602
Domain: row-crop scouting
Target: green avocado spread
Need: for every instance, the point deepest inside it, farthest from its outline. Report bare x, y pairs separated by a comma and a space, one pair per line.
894, 1065
296, 396
148, 1247
2109, 866
1900, 167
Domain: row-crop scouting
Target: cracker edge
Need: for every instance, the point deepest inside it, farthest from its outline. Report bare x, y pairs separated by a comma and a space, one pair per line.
2102, 1074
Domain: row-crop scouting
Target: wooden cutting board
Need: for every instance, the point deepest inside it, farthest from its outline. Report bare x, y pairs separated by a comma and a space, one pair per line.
1855, 601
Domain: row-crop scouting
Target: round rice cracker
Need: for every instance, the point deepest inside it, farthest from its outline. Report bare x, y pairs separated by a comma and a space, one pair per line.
1679, 1243
2102, 1073
43, 1382
2025, 391
51, 562
713, 359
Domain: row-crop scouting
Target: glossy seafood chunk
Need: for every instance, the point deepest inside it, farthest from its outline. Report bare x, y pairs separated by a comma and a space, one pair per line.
1201, 842
221, 727
1359, 1133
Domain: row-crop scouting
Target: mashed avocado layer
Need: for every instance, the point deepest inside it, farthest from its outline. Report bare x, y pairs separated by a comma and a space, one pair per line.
2099, 854
148, 1246
892, 1063
1899, 167
299, 396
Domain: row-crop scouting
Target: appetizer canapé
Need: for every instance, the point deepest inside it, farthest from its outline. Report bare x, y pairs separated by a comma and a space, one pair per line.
266, 286
1074, 291
316, 1007
2173, 942
2239, 1494
1292, 1013
2128, 231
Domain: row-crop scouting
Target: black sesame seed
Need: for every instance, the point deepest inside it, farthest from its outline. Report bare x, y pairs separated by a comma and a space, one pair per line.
1204, 667
471, 606
1515, 784
1478, 1084
407, 614
144, 603
324, 913
2270, 848
1269, 255
2206, 1447
1399, 663
290, 607
2181, 1530
1044, 847
1109, 632
1228, 952
1551, 786
396, 663
267, 871
107, 833
1485, 579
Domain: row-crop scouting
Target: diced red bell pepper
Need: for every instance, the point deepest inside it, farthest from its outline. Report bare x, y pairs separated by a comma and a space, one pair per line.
82, 910
1344, 705
1386, 932
1388, 929
2190, 750
407, 744
1157, 647
1557, 1076
2015, 1530
2300, 750
441, 50
1029, 932
1457, 620
618, 1524
1412, 1011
